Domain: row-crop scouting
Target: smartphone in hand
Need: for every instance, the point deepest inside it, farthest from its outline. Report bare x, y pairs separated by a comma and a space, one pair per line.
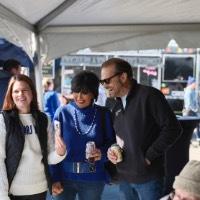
57, 127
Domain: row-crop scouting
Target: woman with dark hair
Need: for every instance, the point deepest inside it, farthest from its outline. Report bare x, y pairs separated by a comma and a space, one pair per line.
25, 146
82, 121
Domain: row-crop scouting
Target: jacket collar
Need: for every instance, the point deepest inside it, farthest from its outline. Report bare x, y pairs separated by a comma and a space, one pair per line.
130, 94
132, 91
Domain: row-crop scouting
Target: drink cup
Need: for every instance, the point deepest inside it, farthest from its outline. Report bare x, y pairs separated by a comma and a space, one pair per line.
90, 147
57, 127
117, 151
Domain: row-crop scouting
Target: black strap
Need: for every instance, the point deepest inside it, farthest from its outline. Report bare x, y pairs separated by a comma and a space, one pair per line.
5, 119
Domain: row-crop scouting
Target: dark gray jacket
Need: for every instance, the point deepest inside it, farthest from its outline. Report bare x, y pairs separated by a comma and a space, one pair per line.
147, 128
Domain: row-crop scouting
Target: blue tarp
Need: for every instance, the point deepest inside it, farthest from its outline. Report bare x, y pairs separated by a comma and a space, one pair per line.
11, 51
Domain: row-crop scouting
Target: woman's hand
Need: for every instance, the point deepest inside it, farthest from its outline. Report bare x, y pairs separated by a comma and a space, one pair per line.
97, 154
57, 188
60, 146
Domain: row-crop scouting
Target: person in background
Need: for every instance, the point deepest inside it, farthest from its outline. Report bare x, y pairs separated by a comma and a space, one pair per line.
51, 101
187, 183
25, 145
190, 98
145, 127
10, 67
101, 100
82, 121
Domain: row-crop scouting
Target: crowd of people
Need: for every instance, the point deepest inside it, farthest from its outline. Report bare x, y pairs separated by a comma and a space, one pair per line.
65, 149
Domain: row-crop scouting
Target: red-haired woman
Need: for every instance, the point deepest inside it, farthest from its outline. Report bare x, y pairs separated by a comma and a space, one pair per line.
25, 146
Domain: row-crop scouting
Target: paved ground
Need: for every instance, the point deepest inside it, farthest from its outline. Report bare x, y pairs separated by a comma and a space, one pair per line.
111, 191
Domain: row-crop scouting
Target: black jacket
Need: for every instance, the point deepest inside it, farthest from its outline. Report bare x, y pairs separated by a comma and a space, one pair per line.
15, 141
147, 127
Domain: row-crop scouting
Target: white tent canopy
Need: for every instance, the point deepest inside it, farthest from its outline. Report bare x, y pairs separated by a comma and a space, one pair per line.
64, 26
57, 27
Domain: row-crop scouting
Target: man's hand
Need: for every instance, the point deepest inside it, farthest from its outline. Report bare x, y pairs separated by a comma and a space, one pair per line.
112, 156
57, 188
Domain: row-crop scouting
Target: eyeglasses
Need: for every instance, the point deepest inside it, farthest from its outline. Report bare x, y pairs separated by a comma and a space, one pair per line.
107, 80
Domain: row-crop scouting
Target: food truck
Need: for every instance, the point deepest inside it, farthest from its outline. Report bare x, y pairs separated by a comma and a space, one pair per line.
166, 71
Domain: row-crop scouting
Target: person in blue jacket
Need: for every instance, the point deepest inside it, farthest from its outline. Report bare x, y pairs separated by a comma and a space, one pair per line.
81, 121
50, 100
190, 98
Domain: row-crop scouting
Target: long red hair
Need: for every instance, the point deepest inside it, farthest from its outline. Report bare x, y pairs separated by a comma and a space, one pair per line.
8, 101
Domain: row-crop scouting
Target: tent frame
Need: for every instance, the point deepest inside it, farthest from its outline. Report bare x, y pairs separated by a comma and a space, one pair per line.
127, 31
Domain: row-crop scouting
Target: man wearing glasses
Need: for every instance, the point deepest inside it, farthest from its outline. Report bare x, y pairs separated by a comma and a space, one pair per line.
145, 127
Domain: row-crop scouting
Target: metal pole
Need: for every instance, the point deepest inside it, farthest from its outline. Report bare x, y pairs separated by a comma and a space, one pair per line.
38, 73
197, 76
197, 70
159, 76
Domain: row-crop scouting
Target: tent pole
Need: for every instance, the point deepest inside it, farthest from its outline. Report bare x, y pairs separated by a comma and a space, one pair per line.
197, 72
38, 73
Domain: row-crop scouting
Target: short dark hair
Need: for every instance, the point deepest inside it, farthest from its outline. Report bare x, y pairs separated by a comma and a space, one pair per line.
8, 100
86, 81
120, 66
10, 64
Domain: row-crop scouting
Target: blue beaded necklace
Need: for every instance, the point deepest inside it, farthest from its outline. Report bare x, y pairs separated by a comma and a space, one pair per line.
77, 123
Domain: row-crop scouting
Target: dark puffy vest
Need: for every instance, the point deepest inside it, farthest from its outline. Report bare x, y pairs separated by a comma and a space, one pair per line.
15, 141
